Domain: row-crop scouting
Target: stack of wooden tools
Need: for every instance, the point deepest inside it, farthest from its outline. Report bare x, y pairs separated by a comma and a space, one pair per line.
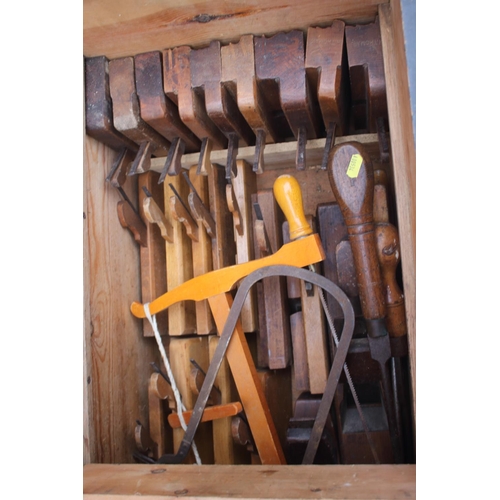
256, 179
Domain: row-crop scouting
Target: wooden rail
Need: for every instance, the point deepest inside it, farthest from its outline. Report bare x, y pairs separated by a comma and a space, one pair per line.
249, 481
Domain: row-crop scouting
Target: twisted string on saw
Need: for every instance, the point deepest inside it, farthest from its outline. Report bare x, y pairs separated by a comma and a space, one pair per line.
177, 395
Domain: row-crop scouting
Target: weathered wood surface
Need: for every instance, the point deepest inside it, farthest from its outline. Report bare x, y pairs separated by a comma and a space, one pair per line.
404, 161
248, 385
277, 156
181, 351
117, 395
116, 28
391, 482
153, 258
243, 185
226, 451
181, 316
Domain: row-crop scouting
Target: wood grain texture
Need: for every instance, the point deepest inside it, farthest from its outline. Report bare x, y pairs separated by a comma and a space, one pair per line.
206, 76
202, 257
248, 385
244, 185
336, 482
326, 73
277, 156
117, 29
404, 162
277, 332
366, 69
181, 316
238, 73
126, 109
280, 70
153, 258
156, 109
89, 443
177, 75
114, 337
226, 451
181, 351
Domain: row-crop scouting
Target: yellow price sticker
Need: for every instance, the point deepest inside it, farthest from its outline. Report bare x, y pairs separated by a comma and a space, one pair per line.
354, 166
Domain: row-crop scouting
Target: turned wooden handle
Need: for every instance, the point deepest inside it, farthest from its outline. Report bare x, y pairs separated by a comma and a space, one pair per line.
351, 176
389, 255
288, 194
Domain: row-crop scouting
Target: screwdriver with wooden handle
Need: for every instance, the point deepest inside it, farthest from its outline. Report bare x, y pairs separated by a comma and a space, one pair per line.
351, 177
289, 197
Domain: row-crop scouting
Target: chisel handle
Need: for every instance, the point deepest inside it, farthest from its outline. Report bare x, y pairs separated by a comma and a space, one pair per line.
389, 252
288, 195
351, 177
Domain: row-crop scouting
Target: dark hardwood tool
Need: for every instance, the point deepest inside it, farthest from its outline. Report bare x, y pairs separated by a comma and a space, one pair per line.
326, 69
238, 76
221, 106
351, 177
280, 69
156, 109
275, 338
127, 118
366, 68
299, 433
99, 108
177, 85
315, 346
389, 254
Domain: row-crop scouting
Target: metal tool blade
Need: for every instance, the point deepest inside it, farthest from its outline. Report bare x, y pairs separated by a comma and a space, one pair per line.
225, 337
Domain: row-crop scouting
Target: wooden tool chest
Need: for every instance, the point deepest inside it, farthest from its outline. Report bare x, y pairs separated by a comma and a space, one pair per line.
118, 347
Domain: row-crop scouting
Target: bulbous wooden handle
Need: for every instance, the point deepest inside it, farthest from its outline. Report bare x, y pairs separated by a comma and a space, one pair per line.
289, 197
351, 177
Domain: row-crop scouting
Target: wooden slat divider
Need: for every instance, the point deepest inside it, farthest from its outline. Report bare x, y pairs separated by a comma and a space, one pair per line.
277, 156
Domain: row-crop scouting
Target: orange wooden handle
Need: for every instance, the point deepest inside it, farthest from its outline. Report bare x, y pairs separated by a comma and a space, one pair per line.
289, 197
298, 253
209, 413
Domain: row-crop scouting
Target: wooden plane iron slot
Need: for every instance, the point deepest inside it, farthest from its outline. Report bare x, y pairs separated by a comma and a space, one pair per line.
327, 73
127, 118
99, 107
280, 69
238, 76
160, 112
157, 109
177, 70
367, 77
221, 107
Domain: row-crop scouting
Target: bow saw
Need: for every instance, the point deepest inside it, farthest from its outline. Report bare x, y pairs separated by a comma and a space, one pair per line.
303, 250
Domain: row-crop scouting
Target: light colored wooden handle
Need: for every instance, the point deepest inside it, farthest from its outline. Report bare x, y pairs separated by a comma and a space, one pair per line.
155, 215
289, 197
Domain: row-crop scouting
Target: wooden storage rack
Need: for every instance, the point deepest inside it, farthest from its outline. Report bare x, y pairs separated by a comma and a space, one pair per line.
112, 337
